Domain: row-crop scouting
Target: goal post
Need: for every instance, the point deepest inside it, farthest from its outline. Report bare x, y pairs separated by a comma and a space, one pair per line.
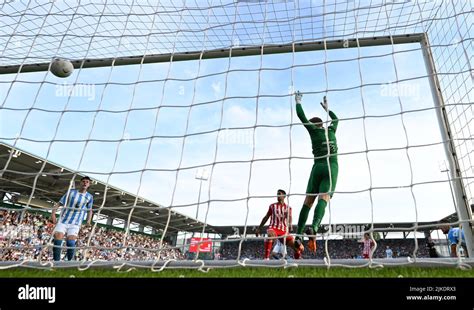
462, 205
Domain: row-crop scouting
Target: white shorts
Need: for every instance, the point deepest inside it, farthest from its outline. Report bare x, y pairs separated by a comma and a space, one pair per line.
279, 248
68, 229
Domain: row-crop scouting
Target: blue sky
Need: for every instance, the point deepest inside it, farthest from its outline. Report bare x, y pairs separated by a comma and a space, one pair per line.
138, 102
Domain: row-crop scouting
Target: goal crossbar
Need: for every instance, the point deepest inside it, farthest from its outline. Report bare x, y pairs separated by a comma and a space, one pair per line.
225, 52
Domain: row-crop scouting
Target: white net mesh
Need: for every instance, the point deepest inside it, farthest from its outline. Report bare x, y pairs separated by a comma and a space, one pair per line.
141, 131
101, 29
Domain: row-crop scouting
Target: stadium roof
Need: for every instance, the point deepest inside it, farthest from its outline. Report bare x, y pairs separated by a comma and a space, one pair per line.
23, 174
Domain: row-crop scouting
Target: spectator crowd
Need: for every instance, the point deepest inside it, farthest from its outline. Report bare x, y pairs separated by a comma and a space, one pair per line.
341, 248
27, 236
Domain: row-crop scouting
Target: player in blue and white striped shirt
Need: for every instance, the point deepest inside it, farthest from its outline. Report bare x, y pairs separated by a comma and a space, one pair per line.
76, 203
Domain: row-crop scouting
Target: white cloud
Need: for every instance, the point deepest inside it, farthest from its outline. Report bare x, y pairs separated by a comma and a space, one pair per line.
216, 88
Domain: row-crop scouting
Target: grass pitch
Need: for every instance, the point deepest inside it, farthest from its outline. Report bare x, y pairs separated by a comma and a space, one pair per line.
245, 272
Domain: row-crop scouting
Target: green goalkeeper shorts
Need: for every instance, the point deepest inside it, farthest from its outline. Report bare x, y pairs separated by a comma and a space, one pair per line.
319, 181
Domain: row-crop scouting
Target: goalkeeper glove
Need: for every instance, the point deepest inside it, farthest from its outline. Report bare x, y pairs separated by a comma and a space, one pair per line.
298, 97
324, 104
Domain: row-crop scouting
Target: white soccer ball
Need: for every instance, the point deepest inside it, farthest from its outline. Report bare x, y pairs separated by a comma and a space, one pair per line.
61, 67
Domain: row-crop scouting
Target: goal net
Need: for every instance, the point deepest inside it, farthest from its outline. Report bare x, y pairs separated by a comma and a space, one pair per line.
183, 115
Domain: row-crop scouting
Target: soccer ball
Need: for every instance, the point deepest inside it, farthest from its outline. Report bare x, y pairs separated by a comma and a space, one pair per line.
61, 67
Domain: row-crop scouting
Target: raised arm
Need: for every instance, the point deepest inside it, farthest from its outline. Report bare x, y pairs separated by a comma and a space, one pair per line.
335, 120
300, 112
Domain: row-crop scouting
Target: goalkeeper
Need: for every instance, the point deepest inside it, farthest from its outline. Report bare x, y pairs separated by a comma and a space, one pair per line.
323, 177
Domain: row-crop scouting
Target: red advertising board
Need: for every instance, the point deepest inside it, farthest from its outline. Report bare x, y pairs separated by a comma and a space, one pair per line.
205, 245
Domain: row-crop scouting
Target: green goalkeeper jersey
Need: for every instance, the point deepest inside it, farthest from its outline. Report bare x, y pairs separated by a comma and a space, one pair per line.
318, 136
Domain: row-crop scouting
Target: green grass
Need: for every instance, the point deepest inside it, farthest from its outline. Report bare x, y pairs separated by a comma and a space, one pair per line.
245, 272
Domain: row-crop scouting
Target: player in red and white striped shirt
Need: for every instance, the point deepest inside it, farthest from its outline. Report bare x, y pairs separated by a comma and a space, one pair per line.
279, 214
368, 245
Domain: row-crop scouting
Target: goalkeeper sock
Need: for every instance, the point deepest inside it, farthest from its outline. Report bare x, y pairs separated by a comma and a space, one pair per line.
71, 247
302, 219
319, 214
57, 249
